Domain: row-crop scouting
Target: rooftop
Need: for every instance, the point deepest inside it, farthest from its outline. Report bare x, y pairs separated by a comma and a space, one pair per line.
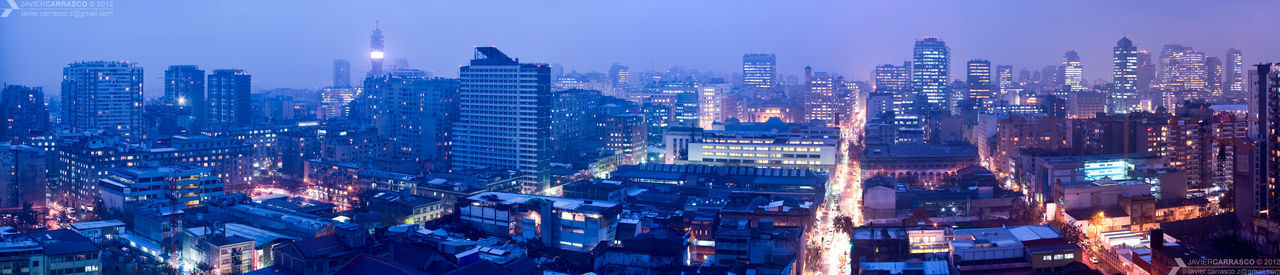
557, 202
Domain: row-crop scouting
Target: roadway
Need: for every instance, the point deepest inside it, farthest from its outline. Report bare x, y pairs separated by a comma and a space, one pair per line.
842, 199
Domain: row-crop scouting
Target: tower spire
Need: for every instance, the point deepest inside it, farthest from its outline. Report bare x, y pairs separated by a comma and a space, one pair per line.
375, 49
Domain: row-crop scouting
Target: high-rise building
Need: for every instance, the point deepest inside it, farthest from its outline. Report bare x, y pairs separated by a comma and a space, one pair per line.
24, 113
980, 84
1004, 82
375, 51
341, 73
574, 115
1073, 71
1213, 75
1233, 82
1258, 197
229, 98
184, 86
1146, 84
1182, 68
759, 70
22, 176
619, 77
711, 104
103, 95
504, 117
1266, 196
1124, 76
820, 97
626, 134
896, 80
930, 72
422, 120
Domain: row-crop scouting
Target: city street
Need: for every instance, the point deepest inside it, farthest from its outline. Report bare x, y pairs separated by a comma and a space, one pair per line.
843, 191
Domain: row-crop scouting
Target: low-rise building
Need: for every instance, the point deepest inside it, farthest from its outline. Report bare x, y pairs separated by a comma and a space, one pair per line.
186, 186
570, 224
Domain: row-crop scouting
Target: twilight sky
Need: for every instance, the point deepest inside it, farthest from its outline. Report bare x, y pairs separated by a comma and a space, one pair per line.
292, 44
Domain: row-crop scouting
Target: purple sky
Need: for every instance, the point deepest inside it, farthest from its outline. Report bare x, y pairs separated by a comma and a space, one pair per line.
291, 44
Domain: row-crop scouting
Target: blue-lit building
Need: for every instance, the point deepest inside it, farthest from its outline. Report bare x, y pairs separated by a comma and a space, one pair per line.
505, 117
86, 84
1124, 77
24, 113
930, 72
187, 186
759, 70
229, 100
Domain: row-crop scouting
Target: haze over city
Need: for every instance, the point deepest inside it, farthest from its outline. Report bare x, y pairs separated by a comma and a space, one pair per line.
639, 137
289, 44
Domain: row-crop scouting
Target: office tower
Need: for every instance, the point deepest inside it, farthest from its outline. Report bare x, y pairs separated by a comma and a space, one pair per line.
896, 80
1233, 74
711, 104
619, 77
1182, 68
574, 115
685, 109
334, 100
820, 97
930, 71
1004, 82
504, 117
1051, 77
980, 85
22, 176
375, 51
626, 134
184, 86
1146, 84
422, 120
1266, 197
229, 99
1073, 71
878, 103
759, 70
1213, 75
24, 111
103, 95
1124, 77
341, 73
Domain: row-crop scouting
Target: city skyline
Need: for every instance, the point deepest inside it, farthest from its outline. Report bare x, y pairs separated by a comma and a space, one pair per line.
283, 56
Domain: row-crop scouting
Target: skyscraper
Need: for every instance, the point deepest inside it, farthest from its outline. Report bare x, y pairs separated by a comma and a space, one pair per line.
1233, 74
24, 113
930, 72
1004, 82
184, 86
711, 104
341, 73
759, 70
504, 117
1266, 197
375, 51
820, 97
1124, 76
979, 84
1213, 75
1181, 68
229, 99
103, 95
896, 80
619, 77
423, 117
1073, 71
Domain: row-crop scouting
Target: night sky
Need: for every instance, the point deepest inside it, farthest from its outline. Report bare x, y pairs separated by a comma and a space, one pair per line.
292, 44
